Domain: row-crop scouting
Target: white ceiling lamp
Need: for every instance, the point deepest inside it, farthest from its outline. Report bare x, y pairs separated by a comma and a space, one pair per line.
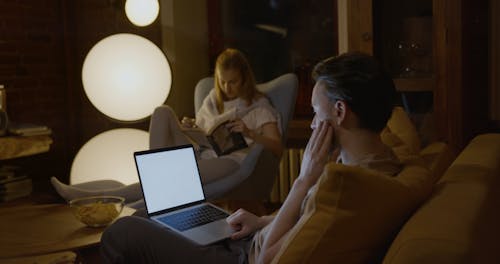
142, 12
126, 76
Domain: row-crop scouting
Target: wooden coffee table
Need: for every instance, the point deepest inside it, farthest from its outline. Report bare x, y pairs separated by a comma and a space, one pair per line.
42, 229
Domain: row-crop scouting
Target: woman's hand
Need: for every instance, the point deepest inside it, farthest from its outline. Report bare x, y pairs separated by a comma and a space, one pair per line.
239, 126
188, 122
270, 137
317, 153
245, 223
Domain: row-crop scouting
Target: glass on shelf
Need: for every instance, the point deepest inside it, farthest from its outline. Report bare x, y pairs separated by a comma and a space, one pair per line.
414, 49
414, 60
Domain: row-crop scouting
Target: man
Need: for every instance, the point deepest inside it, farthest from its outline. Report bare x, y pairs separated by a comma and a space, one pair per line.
352, 100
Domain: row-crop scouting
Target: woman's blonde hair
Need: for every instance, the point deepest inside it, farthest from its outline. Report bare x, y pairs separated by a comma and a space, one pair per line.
233, 59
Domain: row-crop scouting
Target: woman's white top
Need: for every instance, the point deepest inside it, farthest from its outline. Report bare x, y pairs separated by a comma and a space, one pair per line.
254, 116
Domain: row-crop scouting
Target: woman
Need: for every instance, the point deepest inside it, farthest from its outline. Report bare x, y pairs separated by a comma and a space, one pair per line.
235, 98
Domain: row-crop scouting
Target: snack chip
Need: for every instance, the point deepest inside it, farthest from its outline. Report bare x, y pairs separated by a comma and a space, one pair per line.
97, 213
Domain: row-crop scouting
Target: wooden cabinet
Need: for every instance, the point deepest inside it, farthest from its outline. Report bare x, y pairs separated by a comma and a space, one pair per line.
398, 33
451, 59
495, 64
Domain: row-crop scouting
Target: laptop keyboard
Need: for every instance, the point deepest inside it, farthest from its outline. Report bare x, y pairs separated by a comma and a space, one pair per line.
194, 217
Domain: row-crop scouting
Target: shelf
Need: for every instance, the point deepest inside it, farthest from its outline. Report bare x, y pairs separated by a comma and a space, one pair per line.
17, 146
415, 84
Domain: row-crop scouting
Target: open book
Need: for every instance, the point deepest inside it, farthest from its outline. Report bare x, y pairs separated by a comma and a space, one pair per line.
224, 141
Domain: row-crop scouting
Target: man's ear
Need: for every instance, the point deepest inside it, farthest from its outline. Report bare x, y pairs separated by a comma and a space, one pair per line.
340, 111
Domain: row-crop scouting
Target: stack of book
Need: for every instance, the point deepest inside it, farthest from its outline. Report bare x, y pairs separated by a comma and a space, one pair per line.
27, 129
14, 184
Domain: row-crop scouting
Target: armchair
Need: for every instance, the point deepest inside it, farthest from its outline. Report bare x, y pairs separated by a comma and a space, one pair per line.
257, 173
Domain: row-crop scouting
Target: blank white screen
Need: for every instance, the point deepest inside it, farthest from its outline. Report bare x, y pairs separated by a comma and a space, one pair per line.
169, 178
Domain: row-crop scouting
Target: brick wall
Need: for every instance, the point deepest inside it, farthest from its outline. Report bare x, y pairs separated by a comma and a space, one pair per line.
42, 47
32, 70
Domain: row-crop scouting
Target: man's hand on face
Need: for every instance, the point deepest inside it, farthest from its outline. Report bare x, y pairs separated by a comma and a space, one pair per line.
244, 222
317, 153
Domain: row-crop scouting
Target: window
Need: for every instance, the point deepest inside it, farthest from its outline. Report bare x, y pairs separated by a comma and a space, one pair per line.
278, 36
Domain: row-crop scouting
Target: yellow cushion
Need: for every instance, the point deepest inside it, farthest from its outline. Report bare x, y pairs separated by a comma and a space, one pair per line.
401, 133
353, 214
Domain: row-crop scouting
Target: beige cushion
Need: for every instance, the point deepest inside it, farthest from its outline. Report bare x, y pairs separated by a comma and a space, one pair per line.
401, 134
353, 214
401, 149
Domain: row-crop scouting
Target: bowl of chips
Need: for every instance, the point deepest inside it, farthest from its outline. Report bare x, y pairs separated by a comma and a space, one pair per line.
97, 211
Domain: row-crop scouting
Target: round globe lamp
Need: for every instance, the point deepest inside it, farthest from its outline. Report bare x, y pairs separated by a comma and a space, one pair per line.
142, 12
126, 76
109, 155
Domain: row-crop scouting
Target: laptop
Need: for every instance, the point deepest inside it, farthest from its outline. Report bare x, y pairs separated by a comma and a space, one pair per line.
174, 196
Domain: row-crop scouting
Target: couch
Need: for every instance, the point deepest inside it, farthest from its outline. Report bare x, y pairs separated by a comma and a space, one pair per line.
432, 212
460, 221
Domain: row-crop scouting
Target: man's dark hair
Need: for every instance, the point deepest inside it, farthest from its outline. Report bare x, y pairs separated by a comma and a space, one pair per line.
360, 81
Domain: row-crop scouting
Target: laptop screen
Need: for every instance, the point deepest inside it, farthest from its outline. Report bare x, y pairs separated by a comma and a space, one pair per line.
169, 177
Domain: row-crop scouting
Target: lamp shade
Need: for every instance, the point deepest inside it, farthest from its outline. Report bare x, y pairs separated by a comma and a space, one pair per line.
142, 12
109, 156
126, 76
